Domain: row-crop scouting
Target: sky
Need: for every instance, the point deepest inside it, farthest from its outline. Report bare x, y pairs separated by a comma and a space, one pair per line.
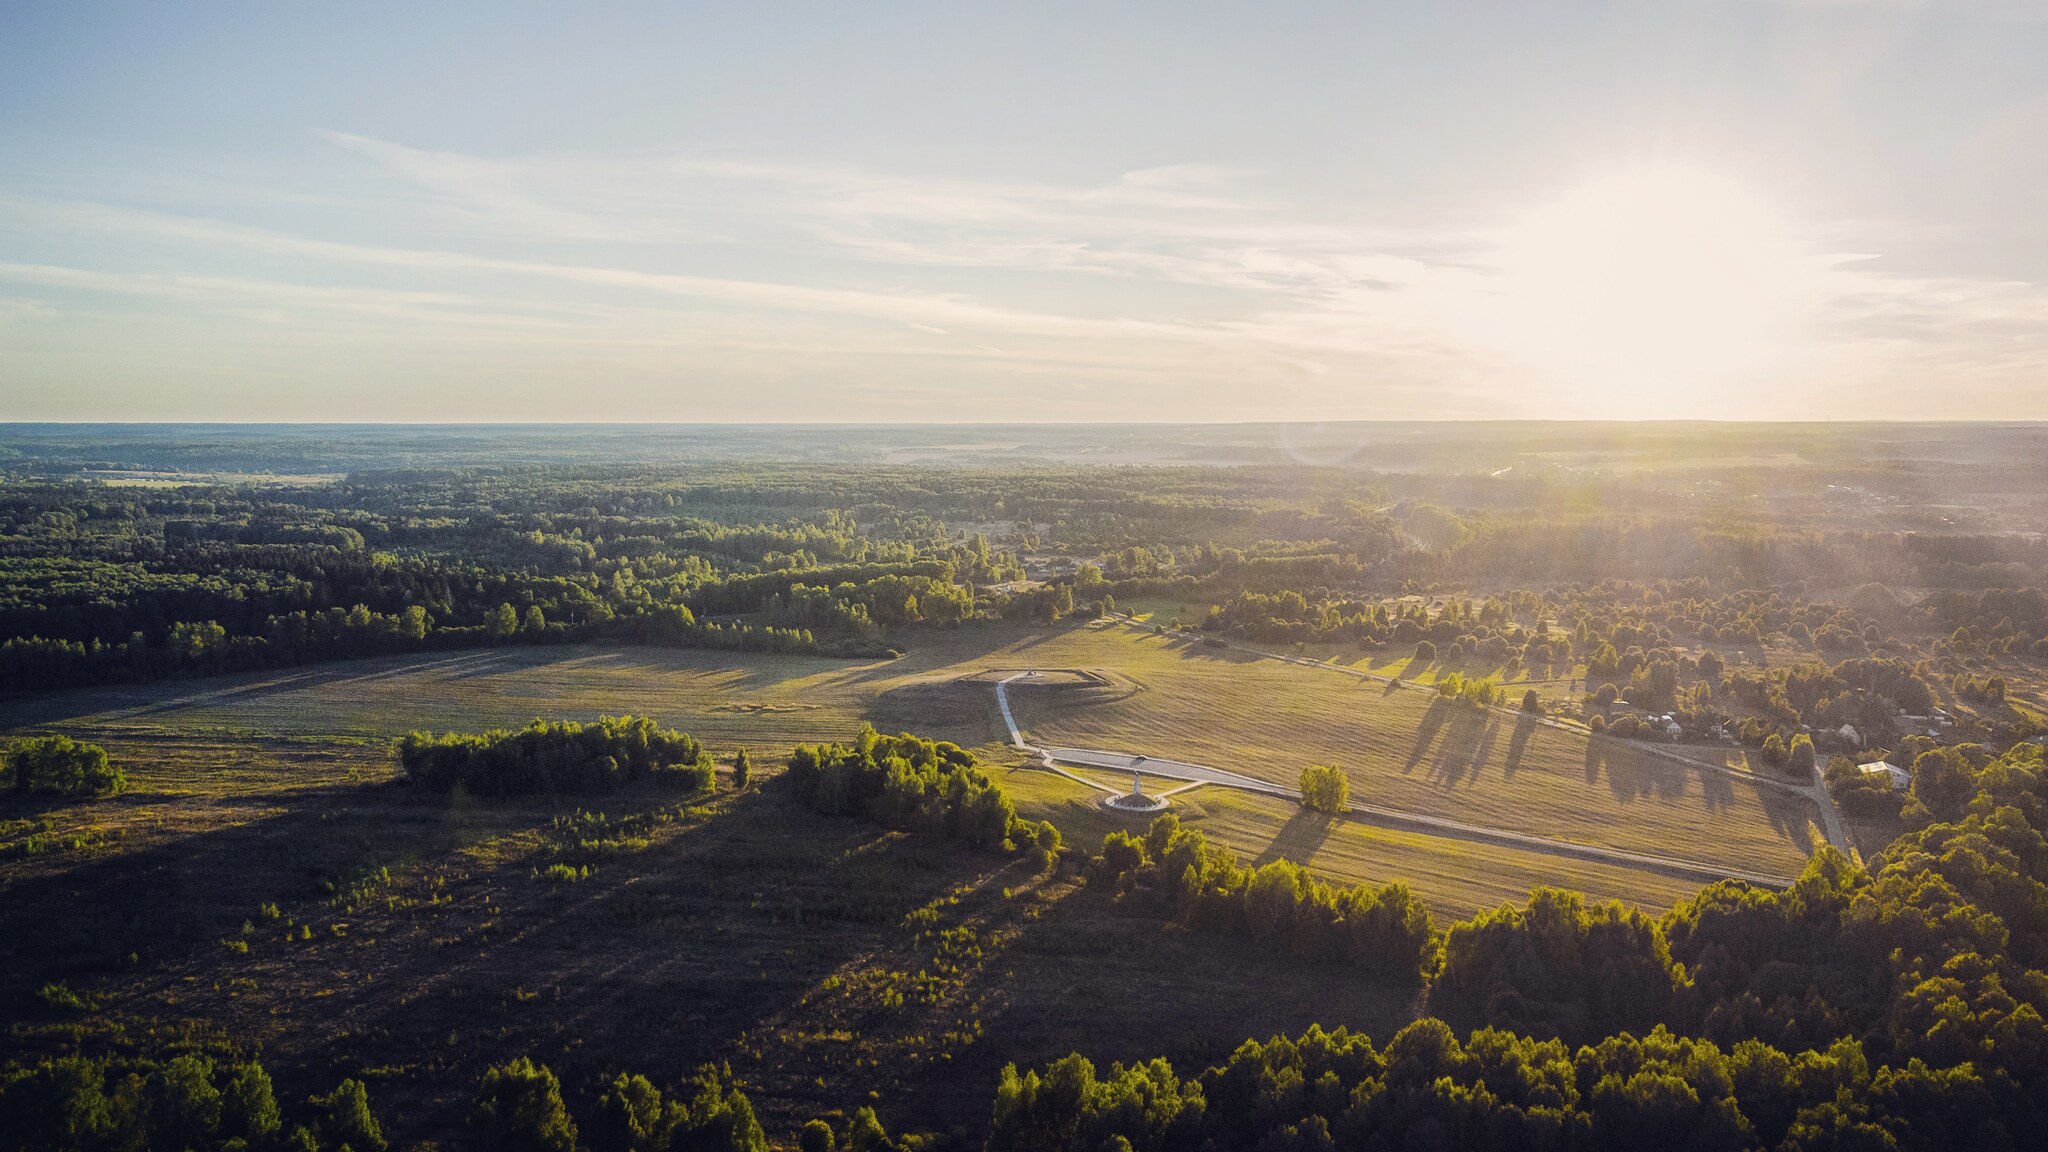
968, 212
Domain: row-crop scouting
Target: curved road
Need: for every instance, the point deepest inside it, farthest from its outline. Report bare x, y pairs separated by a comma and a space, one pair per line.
1815, 791
1373, 813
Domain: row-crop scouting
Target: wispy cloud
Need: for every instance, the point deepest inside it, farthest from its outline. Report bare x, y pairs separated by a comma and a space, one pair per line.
1191, 280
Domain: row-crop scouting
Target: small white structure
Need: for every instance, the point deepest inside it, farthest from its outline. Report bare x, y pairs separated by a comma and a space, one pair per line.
1898, 777
1850, 735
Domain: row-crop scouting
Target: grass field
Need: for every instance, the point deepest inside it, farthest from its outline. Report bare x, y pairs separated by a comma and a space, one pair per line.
1456, 877
1257, 716
1405, 750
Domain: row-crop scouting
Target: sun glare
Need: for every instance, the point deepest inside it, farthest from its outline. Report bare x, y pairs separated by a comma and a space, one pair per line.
1651, 291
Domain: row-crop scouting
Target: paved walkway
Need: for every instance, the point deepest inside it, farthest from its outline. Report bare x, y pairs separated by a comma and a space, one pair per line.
1053, 758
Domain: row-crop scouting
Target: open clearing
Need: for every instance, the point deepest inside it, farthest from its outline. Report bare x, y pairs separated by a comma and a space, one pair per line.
1260, 717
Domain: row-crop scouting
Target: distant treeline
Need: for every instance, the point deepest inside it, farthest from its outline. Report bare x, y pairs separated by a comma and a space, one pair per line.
103, 584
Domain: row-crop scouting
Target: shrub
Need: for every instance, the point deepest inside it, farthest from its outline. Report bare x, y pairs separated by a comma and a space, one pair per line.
1324, 789
742, 768
815, 1136
61, 766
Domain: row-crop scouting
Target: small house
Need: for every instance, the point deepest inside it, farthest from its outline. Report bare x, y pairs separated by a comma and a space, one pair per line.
1896, 776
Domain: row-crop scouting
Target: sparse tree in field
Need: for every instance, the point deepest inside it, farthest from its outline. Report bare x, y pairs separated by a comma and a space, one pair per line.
503, 624
1324, 789
742, 769
1532, 703
519, 1109
1425, 652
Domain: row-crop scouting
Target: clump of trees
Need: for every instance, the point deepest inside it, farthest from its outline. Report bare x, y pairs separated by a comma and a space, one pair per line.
1476, 692
558, 757
1382, 929
59, 766
76, 1104
707, 1114
1324, 789
926, 786
519, 1108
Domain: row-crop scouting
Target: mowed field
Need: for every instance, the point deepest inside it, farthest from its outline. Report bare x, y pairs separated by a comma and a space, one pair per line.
1265, 718
1402, 749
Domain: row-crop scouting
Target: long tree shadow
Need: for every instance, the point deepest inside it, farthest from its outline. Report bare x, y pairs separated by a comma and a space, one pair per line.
1467, 742
1518, 744
1298, 839
1426, 729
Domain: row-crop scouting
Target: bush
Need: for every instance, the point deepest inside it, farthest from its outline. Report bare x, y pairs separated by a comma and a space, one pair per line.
815, 1136
1324, 789
557, 758
61, 766
519, 1109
